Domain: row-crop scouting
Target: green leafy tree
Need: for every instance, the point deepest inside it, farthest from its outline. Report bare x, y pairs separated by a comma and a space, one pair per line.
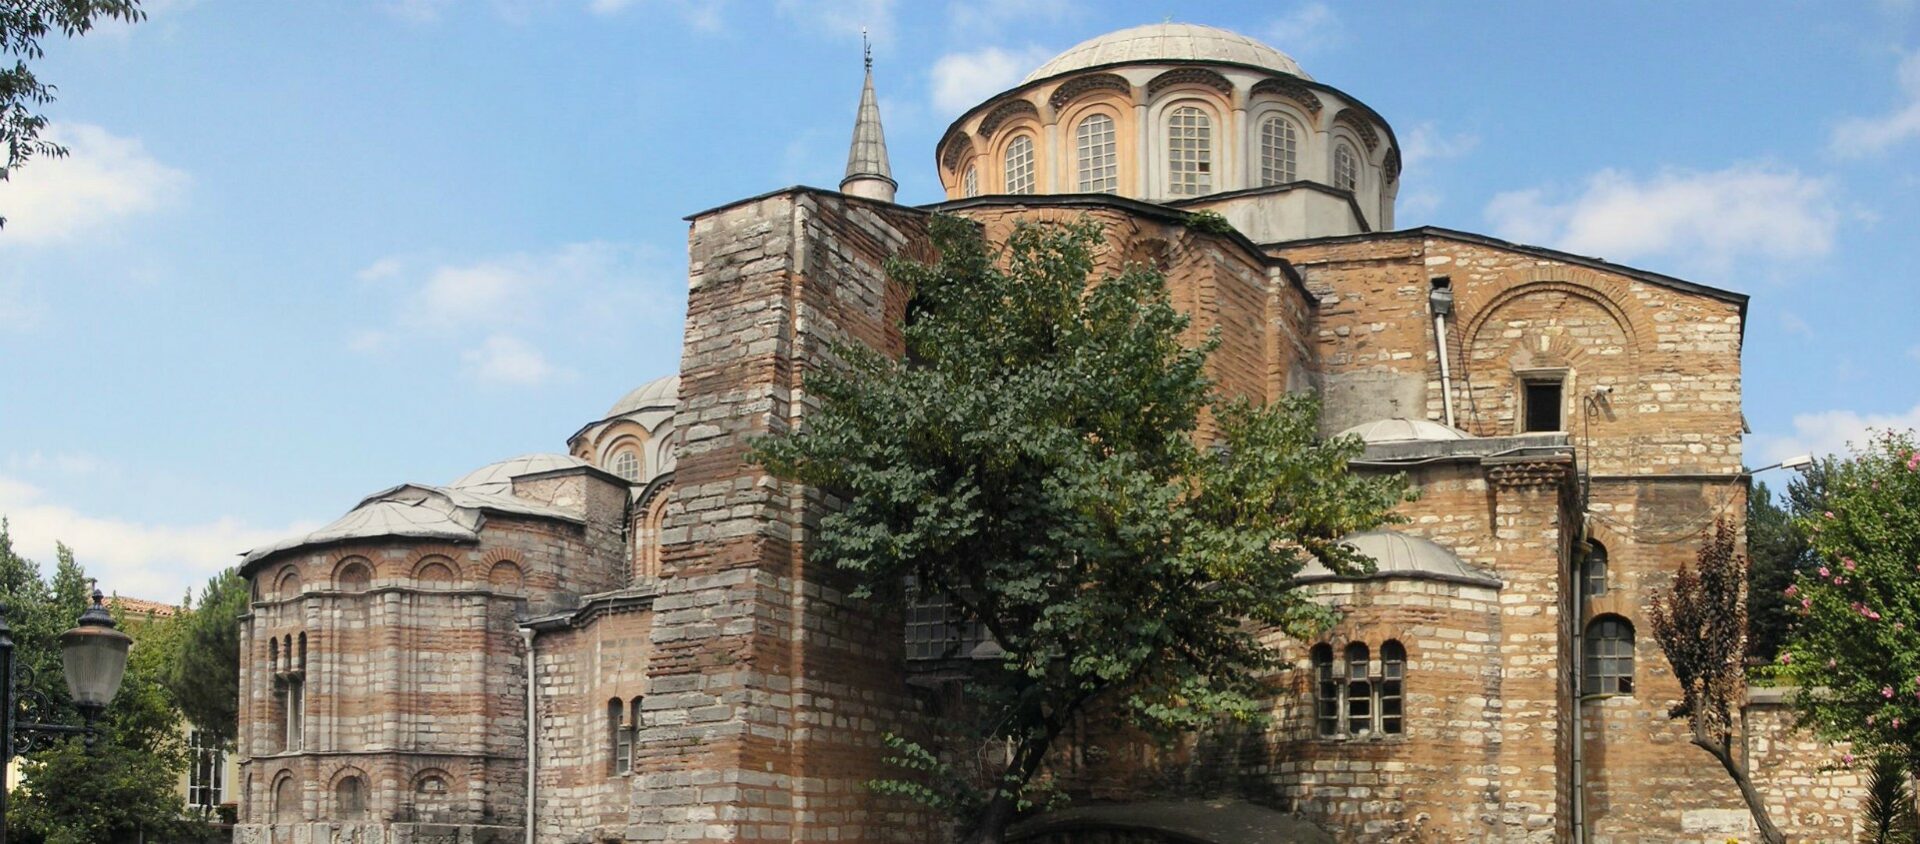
125, 787
1855, 648
205, 674
24, 24
1777, 551
1701, 623
1036, 460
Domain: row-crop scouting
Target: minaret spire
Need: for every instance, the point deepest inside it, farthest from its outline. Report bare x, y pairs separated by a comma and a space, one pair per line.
868, 173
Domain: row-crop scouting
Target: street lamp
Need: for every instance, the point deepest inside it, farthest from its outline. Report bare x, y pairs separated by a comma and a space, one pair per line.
1796, 463
94, 655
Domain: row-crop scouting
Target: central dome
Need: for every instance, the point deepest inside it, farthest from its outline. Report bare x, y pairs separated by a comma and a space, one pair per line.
1171, 42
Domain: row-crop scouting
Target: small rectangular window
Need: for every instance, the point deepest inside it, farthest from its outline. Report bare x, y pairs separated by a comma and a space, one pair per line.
1541, 401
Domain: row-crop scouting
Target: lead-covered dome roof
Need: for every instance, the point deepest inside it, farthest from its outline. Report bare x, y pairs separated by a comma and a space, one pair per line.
1400, 555
660, 392
497, 478
1168, 42
1403, 430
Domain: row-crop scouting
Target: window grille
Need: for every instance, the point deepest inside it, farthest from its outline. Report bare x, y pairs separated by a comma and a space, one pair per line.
936, 629
626, 464
1099, 165
1609, 656
620, 733
1359, 691
970, 183
1019, 170
1346, 167
1393, 669
1594, 570
1279, 151
1189, 152
1326, 691
206, 774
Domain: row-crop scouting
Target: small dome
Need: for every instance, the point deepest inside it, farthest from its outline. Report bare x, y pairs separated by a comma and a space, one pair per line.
1168, 42
497, 478
660, 392
1396, 554
1403, 430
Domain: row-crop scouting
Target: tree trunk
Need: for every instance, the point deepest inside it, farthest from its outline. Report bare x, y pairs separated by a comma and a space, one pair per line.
1757, 807
1000, 811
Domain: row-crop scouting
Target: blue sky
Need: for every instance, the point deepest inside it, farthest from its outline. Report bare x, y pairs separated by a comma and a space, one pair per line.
304, 251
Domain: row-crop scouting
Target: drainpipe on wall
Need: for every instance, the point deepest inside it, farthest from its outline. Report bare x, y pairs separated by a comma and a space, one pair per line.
1440, 300
526, 635
1579, 704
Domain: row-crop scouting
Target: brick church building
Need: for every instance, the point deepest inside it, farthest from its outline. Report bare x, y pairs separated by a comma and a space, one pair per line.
627, 640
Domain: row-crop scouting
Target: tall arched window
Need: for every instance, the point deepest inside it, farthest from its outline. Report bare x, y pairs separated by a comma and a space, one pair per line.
1326, 695
1099, 165
1279, 151
1189, 152
970, 183
1359, 691
1393, 671
1593, 570
620, 732
1609, 656
1019, 165
1346, 167
626, 464
350, 798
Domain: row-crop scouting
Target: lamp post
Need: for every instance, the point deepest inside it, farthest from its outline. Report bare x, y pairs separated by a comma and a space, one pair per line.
94, 656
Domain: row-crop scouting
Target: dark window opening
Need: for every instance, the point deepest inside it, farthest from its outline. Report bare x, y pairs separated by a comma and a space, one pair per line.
1542, 400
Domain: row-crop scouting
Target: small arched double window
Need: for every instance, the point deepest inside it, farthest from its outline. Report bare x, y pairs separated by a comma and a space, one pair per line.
1019, 165
1099, 165
1279, 151
1355, 696
1346, 167
1189, 152
1609, 656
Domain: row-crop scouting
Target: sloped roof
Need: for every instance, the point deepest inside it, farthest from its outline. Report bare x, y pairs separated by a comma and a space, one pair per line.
1403, 430
1400, 555
1168, 42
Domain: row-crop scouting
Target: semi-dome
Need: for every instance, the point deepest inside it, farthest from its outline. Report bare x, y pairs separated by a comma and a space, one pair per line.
1400, 555
1168, 42
497, 478
660, 392
1403, 430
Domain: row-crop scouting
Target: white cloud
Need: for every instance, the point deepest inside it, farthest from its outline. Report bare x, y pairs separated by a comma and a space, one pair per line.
518, 302
1309, 27
1704, 220
842, 17
104, 178
1793, 324
963, 80
1828, 432
1867, 135
1425, 142
511, 361
147, 560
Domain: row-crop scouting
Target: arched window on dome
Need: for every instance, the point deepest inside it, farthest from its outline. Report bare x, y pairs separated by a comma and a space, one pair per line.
1279, 151
970, 183
1393, 675
1019, 165
1359, 691
1099, 166
626, 464
1189, 152
1609, 656
1326, 695
1346, 166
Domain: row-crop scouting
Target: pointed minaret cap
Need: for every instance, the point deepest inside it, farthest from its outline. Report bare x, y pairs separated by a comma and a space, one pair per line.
868, 173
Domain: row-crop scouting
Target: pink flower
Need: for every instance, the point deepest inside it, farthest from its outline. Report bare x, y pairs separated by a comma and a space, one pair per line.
1806, 603
1846, 758
1831, 664
1829, 514
1825, 572
1847, 563
1869, 720
1793, 590
1913, 461
1839, 581
1786, 658
1886, 692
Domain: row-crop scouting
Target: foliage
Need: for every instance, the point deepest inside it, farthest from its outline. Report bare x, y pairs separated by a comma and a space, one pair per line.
205, 674
23, 25
126, 788
1210, 222
1888, 815
1701, 624
1777, 550
1034, 459
1855, 650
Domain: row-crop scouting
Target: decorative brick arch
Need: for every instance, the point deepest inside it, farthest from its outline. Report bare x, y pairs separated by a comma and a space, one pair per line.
1290, 89
1189, 76
287, 582
339, 795
352, 572
1071, 89
1354, 119
1004, 112
956, 149
453, 554
1577, 282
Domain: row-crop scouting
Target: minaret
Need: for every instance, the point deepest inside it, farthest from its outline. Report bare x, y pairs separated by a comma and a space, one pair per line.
868, 173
